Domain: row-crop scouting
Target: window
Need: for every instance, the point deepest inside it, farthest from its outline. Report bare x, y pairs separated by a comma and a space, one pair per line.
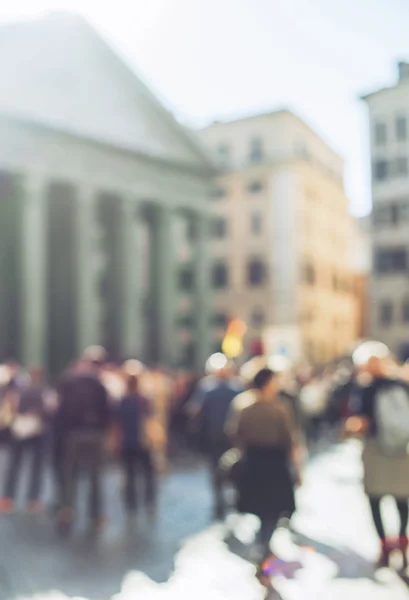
308, 274
219, 192
254, 187
219, 229
256, 150
401, 166
257, 317
391, 260
256, 223
217, 347
394, 213
220, 320
404, 210
187, 279
385, 313
186, 321
301, 150
188, 355
223, 151
220, 276
191, 230
380, 133
381, 215
347, 285
256, 272
401, 128
405, 310
380, 170
307, 316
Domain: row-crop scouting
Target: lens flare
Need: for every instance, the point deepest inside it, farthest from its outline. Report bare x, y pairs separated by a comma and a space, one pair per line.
216, 362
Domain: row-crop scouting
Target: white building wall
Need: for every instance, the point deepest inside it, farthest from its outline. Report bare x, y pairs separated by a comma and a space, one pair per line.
285, 200
384, 107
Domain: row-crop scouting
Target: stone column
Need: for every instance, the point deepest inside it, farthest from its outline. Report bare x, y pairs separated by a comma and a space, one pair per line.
203, 289
165, 286
34, 308
87, 269
132, 330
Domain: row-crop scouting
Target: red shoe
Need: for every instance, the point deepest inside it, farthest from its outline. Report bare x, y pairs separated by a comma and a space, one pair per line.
6, 505
403, 547
34, 507
383, 560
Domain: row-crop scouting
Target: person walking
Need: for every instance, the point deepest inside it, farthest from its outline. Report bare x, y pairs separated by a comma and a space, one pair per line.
157, 385
8, 404
313, 403
81, 424
135, 416
28, 435
380, 412
267, 472
211, 406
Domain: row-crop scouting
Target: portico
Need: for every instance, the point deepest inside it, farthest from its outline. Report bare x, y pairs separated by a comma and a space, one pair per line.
99, 228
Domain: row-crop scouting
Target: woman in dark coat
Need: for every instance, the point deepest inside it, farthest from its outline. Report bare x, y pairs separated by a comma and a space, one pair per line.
265, 481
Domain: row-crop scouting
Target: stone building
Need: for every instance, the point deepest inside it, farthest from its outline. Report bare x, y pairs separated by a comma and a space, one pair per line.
389, 145
282, 237
362, 261
104, 206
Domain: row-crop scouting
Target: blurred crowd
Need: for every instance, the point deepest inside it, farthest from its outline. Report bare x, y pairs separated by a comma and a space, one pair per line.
96, 410
255, 425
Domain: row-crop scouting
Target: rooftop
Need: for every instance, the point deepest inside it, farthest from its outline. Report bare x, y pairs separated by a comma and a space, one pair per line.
60, 73
403, 78
274, 113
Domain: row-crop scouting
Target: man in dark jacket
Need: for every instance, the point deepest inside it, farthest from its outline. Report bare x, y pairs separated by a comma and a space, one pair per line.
81, 424
211, 404
134, 411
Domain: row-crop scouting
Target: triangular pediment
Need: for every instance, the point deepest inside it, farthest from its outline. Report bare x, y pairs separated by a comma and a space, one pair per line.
58, 72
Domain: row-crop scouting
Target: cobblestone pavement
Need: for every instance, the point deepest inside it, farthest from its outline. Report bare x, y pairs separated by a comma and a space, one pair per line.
333, 519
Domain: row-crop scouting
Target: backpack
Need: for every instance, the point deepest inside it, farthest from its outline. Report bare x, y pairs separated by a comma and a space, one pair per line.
392, 418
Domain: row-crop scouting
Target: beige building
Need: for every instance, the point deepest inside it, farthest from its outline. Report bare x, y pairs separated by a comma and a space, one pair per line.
389, 142
282, 237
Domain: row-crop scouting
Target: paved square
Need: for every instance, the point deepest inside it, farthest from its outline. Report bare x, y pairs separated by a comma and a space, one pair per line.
181, 555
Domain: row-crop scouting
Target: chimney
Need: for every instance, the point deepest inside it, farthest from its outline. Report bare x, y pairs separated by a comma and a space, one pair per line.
403, 68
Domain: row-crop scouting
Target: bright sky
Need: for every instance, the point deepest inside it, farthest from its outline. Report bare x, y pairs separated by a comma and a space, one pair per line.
219, 58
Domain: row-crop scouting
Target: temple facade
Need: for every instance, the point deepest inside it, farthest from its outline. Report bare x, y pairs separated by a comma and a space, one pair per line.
104, 207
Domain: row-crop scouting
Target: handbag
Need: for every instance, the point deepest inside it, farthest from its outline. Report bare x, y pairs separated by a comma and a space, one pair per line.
231, 464
27, 426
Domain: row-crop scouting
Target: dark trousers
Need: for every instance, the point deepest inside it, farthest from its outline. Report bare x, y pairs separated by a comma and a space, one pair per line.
134, 460
403, 510
216, 449
5, 437
58, 469
35, 447
83, 452
265, 533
